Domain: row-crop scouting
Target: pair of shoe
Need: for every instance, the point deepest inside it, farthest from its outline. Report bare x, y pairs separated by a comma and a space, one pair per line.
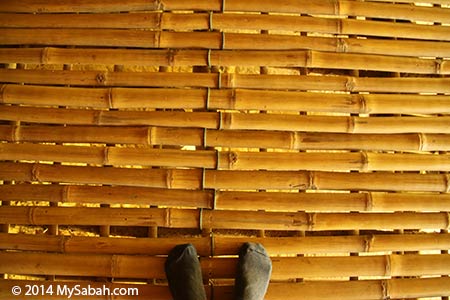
184, 273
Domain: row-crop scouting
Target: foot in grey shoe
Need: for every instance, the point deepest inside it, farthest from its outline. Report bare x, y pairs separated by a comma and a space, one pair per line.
254, 270
184, 273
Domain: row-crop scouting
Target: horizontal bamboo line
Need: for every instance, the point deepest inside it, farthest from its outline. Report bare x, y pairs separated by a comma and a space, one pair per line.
236, 99
220, 219
223, 179
321, 7
151, 136
228, 81
221, 245
271, 201
378, 202
182, 57
125, 266
309, 290
225, 160
219, 40
221, 21
233, 121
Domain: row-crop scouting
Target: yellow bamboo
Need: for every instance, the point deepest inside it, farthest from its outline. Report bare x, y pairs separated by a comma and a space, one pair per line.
182, 57
346, 161
217, 40
311, 290
219, 219
222, 245
230, 81
237, 99
224, 138
223, 179
220, 21
271, 201
322, 7
124, 266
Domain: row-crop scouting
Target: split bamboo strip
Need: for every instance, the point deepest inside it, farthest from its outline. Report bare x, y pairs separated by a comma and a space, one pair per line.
321, 7
225, 160
326, 202
236, 99
220, 21
224, 138
219, 219
220, 179
181, 57
234, 121
219, 40
124, 266
222, 245
309, 290
228, 81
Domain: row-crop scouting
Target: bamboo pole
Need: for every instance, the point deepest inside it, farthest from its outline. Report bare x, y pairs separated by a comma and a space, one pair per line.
124, 266
236, 99
219, 40
311, 290
220, 219
220, 21
270, 201
224, 160
147, 135
222, 245
228, 81
222, 179
233, 121
182, 57
321, 7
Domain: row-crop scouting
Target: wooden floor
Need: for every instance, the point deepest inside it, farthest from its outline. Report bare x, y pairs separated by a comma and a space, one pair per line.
320, 129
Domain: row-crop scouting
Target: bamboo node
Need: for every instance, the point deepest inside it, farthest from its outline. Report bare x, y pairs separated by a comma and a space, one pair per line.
341, 45
222, 47
312, 179
171, 54
369, 202
361, 100
438, 66
15, 134
101, 78
385, 289
308, 58
339, 26
2, 93
232, 159
350, 84
114, 265
157, 39
110, 96
351, 124
364, 162
169, 178
294, 140
106, 156
151, 133
336, 7
35, 172
387, 267
368, 242
311, 220
31, 215
210, 24
234, 98
168, 218
159, 5
447, 183
225, 120
62, 243
448, 221
423, 141
45, 55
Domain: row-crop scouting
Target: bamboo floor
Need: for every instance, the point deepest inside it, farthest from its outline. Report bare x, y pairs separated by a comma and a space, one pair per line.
320, 129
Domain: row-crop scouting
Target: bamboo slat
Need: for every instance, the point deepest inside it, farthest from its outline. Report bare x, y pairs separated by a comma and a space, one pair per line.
221, 245
218, 40
233, 121
236, 99
220, 21
220, 219
124, 266
326, 202
311, 290
321, 7
228, 81
224, 160
181, 57
224, 138
222, 179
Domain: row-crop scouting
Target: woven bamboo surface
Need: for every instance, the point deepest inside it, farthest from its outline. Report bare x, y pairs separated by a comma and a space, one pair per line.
320, 129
